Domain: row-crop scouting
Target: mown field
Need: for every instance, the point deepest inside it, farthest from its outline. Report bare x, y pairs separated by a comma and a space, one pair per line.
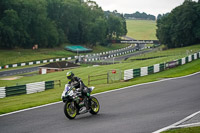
141, 29
185, 130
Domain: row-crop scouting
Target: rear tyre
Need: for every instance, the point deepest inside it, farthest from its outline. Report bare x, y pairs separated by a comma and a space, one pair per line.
94, 105
70, 111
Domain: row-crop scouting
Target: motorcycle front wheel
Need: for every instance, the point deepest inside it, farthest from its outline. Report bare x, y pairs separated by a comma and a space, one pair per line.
70, 110
94, 105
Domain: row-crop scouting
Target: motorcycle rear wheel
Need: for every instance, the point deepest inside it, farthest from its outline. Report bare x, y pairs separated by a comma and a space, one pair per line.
95, 106
70, 111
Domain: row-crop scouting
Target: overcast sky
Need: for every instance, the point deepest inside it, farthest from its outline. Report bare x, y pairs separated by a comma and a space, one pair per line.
153, 7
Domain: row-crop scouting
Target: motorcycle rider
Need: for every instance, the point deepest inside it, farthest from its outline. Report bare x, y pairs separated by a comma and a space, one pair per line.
79, 86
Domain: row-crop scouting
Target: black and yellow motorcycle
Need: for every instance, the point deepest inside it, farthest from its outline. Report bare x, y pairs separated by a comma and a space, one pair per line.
74, 103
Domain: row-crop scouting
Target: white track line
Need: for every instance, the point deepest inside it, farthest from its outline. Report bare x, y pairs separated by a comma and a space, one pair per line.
189, 125
177, 123
100, 93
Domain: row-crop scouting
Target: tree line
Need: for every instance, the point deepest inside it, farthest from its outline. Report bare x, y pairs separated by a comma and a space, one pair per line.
180, 27
50, 23
138, 15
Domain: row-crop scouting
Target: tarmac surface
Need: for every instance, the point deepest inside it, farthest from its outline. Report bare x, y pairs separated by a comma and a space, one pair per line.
141, 108
194, 120
18, 71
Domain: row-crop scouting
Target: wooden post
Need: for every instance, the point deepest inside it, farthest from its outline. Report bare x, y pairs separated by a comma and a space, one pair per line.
59, 83
88, 79
107, 77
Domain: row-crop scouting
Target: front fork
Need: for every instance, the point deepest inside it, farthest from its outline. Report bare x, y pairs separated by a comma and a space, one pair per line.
72, 104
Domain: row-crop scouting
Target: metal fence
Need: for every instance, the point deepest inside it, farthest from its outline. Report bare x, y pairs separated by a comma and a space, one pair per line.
100, 77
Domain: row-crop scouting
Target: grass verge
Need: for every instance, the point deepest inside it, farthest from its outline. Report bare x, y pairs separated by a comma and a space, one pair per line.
184, 130
83, 72
168, 55
15, 103
26, 55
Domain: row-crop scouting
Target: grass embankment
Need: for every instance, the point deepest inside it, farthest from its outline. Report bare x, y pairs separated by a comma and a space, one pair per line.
9, 104
184, 130
83, 72
141, 29
25, 55
167, 55
138, 29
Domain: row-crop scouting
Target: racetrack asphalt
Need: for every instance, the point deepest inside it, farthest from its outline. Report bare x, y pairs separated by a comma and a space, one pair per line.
18, 71
137, 109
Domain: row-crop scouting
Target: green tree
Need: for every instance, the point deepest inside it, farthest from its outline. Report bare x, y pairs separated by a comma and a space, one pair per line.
11, 34
116, 27
50, 23
180, 27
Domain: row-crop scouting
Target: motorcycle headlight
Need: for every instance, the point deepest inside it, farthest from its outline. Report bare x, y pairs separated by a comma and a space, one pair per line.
70, 93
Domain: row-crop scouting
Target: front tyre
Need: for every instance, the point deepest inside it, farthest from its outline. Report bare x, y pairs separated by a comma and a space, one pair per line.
94, 105
70, 110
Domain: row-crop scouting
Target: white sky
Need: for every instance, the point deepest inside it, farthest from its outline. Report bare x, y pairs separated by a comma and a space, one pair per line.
153, 7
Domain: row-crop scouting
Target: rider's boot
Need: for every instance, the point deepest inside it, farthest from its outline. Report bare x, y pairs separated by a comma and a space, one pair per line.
86, 103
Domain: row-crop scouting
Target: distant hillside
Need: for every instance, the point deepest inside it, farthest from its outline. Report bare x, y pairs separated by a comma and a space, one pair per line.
141, 29
140, 16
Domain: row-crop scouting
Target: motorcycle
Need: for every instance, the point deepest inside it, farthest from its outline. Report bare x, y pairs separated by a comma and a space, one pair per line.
74, 102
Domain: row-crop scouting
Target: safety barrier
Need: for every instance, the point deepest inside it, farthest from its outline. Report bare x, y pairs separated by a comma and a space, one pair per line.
143, 71
2, 92
35, 62
35, 87
15, 90
113, 54
28, 88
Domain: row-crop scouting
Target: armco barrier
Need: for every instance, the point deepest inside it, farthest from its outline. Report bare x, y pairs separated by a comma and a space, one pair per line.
156, 68
26, 89
136, 72
180, 62
2, 92
128, 74
34, 62
58, 59
49, 85
162, 67
35, 87
15, 90
150, 70
143, 71
183, 61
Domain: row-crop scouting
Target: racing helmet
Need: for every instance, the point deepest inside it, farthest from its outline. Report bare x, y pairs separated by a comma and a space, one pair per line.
70, 75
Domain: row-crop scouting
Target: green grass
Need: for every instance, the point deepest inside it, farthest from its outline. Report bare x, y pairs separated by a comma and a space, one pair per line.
138, 29
141, 29
184, 130
170, 54
10, 104
83, 72
25, 55
100, 48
